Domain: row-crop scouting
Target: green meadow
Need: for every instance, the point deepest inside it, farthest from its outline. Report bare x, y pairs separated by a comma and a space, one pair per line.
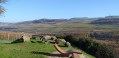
32, 49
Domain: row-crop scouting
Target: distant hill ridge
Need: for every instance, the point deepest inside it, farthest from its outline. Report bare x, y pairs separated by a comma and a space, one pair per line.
112, 17
107, 20
44, 21
99, 20
62, 25
50, 21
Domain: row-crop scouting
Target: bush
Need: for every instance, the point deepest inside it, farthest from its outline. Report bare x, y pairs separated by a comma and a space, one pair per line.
96, 49
104, 52
61, 36
90, 46
71, 39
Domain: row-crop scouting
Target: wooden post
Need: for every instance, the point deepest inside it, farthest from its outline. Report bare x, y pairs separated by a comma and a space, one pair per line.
19, 35
16, 35
8, 36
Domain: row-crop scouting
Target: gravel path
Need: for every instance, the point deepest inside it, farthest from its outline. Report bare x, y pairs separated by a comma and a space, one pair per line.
5, 41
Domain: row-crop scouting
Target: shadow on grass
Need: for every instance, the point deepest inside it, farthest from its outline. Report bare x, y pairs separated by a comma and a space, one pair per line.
39, 41
33, 42
17, 41
61, 46
52, 42
43, 53
48, 54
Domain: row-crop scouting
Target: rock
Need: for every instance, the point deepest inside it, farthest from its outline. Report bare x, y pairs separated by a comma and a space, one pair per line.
41, 38
25, 38
22, 39
53, 38
60, 41
67, 44
46, 37
35, 36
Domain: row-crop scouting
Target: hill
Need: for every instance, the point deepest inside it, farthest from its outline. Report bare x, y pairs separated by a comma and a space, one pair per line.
45, 21
72, 25
47, 25
107, 20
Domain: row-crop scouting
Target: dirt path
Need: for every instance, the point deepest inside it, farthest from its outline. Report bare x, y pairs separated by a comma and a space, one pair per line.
5, 41
58, 55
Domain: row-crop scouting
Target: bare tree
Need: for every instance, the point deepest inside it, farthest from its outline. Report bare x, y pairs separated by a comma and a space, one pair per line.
1, 8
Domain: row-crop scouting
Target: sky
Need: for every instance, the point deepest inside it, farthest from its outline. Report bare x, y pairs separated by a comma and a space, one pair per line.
25, 10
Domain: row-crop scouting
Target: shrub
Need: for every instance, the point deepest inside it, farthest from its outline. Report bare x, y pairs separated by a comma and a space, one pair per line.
71, 39
88, 45
92, 47
61, 36
95, 48
104, 52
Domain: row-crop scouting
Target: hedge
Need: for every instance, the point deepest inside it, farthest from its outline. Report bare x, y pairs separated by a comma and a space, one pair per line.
92, 47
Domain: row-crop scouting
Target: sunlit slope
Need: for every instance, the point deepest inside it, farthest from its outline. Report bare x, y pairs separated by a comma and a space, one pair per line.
65, 26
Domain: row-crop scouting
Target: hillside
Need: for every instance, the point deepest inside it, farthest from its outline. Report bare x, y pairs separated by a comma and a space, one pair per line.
107, 20
45, 21
48, 25
72, 25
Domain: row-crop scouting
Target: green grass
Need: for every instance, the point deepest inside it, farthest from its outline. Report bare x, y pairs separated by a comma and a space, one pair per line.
34, 49
10, 39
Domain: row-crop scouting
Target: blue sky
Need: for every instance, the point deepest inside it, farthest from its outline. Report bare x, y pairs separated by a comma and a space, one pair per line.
24, 10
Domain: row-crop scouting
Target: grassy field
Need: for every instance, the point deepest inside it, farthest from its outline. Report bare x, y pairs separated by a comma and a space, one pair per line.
33, 49
10, 39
